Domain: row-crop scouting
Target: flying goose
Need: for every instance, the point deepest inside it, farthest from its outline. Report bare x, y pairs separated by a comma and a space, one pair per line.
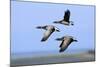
66, 41
66, 19
49, 30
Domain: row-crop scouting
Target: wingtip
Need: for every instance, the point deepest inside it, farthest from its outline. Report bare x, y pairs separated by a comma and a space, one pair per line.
57, 39
38, 27
42, 40
61, 51
55, 22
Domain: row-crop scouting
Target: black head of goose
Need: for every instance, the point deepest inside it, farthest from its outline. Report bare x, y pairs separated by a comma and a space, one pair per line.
49, 30
66, 19
66, 41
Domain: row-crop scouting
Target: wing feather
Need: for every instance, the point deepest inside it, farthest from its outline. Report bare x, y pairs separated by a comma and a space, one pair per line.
65, 45
67, 16
47, 35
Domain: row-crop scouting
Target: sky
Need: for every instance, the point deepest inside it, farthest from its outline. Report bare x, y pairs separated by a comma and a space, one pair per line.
25, 16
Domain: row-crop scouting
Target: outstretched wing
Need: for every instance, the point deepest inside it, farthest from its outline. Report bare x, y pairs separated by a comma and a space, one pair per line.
61, 43
65, 45
67, 16
47, 35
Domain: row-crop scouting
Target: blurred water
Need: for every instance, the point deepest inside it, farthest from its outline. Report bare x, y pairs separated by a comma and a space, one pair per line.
45, 53
52, 58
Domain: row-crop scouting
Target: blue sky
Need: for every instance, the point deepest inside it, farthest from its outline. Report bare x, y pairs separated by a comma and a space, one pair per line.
25, 16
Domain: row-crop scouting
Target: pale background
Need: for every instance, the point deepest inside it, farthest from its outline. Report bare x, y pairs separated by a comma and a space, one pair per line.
25, 16
4, 36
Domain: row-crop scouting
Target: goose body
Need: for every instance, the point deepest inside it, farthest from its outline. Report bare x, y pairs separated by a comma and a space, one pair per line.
49, 30
66, 19
66, 41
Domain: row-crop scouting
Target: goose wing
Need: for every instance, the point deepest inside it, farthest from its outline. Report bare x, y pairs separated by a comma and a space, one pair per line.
61, 43
67, 15
64, 45
47, 34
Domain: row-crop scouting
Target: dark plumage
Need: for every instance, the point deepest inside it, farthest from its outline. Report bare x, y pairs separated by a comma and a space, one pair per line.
66, 41
66, 19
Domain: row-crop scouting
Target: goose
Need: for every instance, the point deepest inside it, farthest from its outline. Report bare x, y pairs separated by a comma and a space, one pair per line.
49, 30
66, 41
66, 19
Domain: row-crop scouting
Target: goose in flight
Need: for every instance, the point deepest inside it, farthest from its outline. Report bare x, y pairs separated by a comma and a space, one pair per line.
66, 41
66, 19
49, 30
